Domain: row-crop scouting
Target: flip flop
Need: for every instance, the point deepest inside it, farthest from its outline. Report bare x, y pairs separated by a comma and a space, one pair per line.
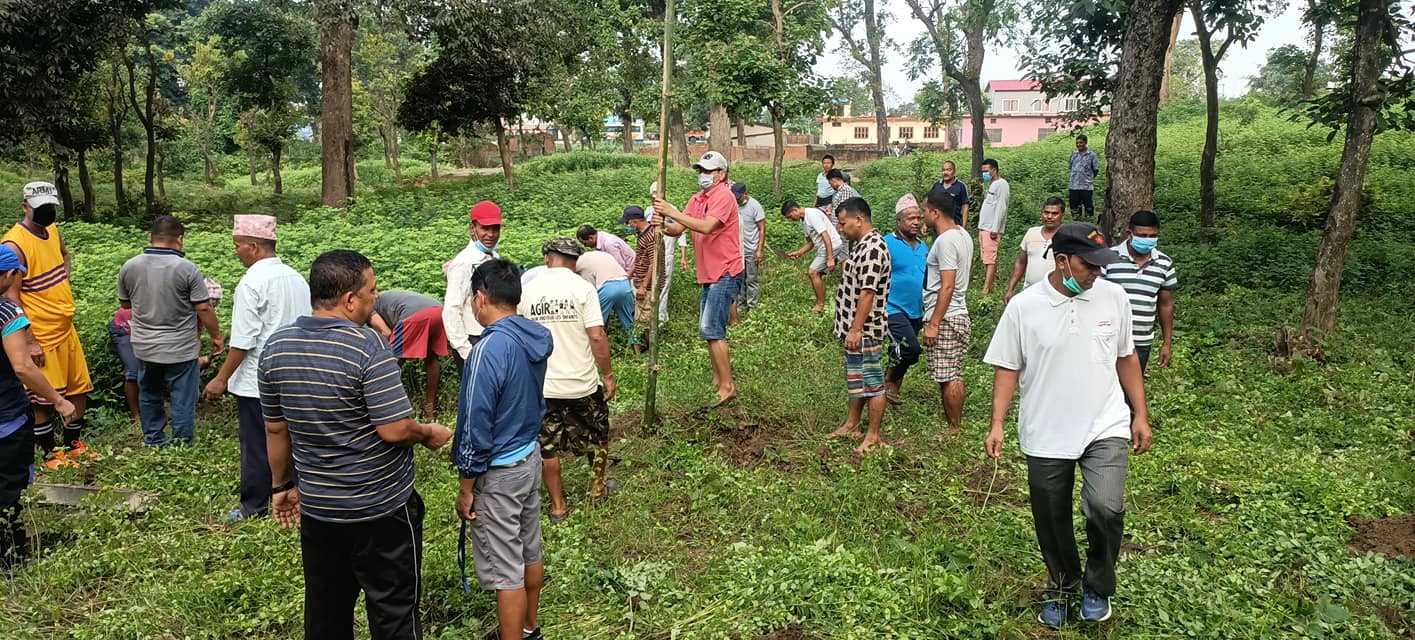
559, 518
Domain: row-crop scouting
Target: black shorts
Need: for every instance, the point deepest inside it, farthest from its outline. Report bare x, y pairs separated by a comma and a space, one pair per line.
16, 456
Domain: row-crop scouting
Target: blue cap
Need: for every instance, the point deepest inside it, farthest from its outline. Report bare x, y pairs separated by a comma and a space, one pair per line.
739, 188
9, 260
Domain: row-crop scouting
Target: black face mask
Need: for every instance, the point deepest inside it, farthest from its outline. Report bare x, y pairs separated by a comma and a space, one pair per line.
46, 214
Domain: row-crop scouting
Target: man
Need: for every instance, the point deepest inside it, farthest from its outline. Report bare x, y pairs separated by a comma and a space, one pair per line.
1032, 265
608, 243
579, 381
270, 295
411, 323
48, 301
861, 321
168, 295
334, 405
947, 325
17, 371
497, 460
648, 253
711, 215
457, 318
616, 293
1085, 166
908, 255
843, 192
1148, 277
957, 189
753, 224
1068, 343
824, 191
671, 246
993, 220
824, 237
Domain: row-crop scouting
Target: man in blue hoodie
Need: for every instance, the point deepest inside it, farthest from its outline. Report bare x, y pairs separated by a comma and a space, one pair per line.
495, 448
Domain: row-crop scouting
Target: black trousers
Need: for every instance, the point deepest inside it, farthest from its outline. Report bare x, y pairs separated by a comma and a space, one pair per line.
905, 348
255, 462
1083, 198
1104, 465
382, 558
16, 456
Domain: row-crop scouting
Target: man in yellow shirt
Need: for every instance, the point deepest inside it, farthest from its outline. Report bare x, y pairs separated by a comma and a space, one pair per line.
48, 301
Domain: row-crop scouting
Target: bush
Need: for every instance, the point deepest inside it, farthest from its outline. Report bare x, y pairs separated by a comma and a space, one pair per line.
576, 161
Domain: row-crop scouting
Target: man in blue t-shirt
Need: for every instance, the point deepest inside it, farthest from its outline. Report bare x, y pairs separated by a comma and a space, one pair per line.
957, 189
905, 303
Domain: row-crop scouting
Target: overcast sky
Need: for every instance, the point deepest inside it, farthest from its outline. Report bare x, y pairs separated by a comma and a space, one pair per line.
1002, 64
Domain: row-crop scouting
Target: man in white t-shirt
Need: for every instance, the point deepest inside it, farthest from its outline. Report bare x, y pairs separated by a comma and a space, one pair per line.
461, 324
1067, 342
947, 326
579, 382
824, 237
992, 221
1032, 265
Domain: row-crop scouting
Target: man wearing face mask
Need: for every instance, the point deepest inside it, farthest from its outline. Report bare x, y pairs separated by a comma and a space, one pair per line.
47, 299
457, 317
992, 221
1068, 343
712, 216
1148, 276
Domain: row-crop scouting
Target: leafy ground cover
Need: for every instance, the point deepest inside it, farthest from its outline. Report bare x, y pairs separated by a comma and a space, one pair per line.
1272, 505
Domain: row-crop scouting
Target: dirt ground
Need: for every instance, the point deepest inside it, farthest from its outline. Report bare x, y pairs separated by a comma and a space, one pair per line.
1390, 537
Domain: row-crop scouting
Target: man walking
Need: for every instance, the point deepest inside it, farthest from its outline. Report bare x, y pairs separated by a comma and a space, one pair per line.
457, 318
334, 406
908, 255
1148, 277
861, 322
608, 243
1085, 166
753, 224
993, 220
497, 460
958, 190
824, 191
711, 215
168, 296
48, 301
1032, 265
411, 323
579, 380
821, 234
1068, 343
616, 293
947, 326
270, 295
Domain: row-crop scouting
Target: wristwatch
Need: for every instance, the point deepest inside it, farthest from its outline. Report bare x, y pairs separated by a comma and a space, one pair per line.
283, 488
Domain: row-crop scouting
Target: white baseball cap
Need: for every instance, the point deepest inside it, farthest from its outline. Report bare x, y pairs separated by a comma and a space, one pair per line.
711, 161
38, 194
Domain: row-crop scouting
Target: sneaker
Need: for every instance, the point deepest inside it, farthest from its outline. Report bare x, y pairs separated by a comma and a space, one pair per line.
1094, 606
58, 460
80, 451
1053, 614
534, 635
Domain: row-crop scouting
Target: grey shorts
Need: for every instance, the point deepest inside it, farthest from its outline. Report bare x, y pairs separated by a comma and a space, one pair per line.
506, 532
818, 263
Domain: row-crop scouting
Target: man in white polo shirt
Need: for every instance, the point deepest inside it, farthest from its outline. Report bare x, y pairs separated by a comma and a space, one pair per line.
1068, 342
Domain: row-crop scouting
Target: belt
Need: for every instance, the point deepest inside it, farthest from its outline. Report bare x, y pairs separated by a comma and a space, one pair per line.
515, 464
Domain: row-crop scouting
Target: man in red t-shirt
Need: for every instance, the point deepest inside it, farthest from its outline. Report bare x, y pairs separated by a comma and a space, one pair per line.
711, 214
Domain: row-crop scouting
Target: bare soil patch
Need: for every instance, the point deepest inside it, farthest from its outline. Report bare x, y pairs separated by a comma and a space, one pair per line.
746, 436
983, 488
1390, 537
791, 632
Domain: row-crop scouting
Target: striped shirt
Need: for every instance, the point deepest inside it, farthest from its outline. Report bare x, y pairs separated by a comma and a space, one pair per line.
333, 382
1143, 285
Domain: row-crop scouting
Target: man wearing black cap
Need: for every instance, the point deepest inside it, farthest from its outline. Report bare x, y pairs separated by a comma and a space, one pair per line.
753, 226
646, 251
1069, 344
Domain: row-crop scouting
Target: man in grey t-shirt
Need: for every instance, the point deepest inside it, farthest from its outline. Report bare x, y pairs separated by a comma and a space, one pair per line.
947, 326
168, 295
752, 222
411, 323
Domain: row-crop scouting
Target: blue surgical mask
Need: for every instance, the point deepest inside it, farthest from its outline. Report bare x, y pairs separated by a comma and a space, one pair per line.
704, 181
987, 176
1144, 245
1070, 281
484, 249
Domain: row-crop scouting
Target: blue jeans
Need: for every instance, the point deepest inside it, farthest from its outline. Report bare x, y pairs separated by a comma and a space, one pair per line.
715, 306
617, 297
183, 381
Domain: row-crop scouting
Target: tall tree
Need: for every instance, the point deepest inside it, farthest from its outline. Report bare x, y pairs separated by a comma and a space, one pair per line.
865, 48
338, 22
1238, 21
204, 74
1318, 16
1281, 78
385, 60
1165, 93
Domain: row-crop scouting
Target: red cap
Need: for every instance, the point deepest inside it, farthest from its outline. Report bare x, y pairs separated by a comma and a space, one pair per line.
486, 213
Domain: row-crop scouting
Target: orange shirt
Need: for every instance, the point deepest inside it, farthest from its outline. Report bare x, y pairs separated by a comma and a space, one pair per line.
718, 253
45, 294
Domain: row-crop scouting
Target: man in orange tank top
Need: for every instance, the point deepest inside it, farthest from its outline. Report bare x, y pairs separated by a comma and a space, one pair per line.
47, 299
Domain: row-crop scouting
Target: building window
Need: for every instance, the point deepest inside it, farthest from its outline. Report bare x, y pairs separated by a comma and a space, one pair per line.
930, 133
994, 121
1071, 104
835, 124
862, 133
1037, 105
1009, 106
906, 133
1044, 132
995, 136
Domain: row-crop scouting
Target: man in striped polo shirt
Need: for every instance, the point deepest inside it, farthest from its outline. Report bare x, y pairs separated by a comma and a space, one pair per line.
1147, 275
333, 400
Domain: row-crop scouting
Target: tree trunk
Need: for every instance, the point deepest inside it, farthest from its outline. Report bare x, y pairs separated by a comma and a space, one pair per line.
1130, 144
208, 164
779, 139
397, 152
61, 182
1207, 198
565, 137
1310, 73
117, 113
1169, 56
275, 152
679, 132
250, 156
432, 162
147, 116
161, 180
741, 131
503, 146
977, 112
338, 20
874, 70
626, 122
719, 130
387, 147
1319, 316
86, 183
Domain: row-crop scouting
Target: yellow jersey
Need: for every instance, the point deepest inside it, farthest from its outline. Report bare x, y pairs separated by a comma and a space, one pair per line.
45, 294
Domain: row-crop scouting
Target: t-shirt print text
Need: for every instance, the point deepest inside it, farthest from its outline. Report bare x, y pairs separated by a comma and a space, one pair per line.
553, 310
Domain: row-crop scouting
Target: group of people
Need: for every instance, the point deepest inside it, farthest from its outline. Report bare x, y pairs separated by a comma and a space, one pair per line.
326, 427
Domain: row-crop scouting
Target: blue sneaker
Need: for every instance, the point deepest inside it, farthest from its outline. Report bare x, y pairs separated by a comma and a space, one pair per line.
1053, 614
1094, 606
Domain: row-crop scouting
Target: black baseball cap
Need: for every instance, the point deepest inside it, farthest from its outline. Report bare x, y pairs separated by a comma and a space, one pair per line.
739, 188
632, 212
1085, 241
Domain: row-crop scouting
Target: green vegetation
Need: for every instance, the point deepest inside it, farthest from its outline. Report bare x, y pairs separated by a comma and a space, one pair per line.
739, 523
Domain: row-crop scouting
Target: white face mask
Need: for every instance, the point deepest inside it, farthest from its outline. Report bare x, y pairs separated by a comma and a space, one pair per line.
705, 181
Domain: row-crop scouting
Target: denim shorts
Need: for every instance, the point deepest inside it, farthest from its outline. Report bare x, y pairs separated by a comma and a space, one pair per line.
123, 344
715, 306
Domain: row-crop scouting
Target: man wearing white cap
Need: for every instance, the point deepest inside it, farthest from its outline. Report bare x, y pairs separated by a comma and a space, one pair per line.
711, 214
269, 296
457, 316
48, 301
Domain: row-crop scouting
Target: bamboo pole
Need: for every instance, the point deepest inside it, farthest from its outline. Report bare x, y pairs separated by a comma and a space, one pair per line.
651, 388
